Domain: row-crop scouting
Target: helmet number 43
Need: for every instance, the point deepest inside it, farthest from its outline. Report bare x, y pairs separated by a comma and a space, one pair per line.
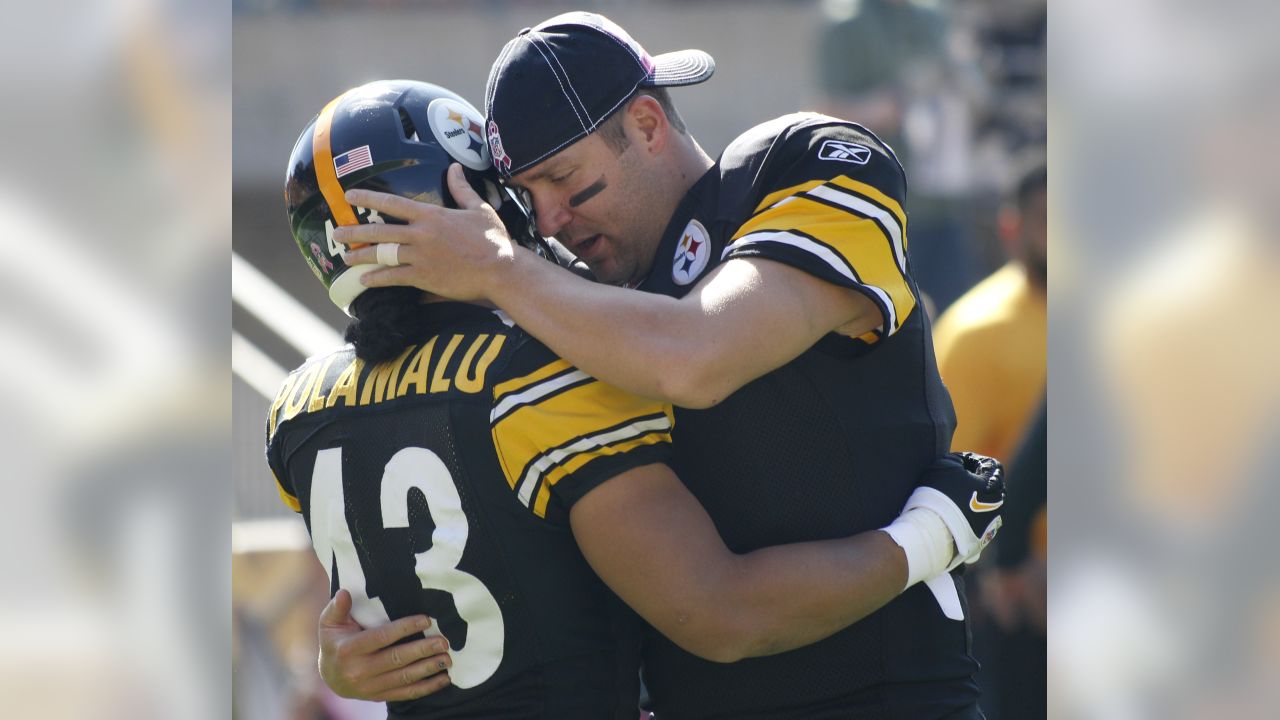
368, 214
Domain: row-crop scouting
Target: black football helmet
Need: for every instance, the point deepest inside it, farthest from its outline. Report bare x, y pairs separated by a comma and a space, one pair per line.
393, 136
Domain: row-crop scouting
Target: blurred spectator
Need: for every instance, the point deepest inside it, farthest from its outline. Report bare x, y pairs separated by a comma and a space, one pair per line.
1013, 590
1009, 42
1195, 491
1165, 582
1009, 39
991, 342
868, 54
991, 353
901, 68
116, 511
1024, 539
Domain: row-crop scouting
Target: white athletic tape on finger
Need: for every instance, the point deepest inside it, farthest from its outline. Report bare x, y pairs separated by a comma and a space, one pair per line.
389, 254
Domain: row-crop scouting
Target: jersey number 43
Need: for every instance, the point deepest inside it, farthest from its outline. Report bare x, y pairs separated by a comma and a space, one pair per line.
437, 568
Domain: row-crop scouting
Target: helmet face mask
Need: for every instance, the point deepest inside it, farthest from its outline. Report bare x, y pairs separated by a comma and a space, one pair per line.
392, 136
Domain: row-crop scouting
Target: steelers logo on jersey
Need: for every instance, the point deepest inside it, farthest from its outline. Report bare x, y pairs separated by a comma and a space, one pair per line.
692, 253
460, 131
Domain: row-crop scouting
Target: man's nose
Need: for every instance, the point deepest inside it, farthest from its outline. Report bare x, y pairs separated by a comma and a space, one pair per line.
551, 214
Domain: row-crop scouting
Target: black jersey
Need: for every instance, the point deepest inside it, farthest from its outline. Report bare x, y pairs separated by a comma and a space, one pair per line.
440, 483
826, 446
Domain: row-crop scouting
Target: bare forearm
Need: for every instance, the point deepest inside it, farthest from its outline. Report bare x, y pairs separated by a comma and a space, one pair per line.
784, 597
624, 337
741, 321
654, 545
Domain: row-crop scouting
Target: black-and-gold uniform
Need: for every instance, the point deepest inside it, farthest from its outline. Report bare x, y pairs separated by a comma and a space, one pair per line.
440, 483
826, 446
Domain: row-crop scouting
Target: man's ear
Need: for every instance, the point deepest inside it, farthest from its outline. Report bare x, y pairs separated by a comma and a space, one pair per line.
648, 123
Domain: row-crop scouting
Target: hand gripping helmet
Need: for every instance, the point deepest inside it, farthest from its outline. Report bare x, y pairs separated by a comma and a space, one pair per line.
393, 136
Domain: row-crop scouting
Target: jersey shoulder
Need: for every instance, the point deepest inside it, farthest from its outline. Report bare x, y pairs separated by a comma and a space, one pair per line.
296, 392
825, 196
560, 432
460, 361
780, 156
464, 358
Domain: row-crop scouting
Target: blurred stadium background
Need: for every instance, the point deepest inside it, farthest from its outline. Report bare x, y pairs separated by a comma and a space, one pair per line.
115, 530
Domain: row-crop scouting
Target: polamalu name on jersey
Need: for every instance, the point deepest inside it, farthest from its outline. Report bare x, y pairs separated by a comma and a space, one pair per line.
440, 482
826, 446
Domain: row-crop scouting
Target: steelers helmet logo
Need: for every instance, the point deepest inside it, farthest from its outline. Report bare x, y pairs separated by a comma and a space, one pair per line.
460, 131
692, 253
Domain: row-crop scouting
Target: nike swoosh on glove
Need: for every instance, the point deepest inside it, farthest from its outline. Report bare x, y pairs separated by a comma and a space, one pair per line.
967, 491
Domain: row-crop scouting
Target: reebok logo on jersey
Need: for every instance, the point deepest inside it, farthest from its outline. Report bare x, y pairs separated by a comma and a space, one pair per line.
978, 506
844, 152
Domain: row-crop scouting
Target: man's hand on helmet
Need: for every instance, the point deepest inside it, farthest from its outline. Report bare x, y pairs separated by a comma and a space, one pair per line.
454, 253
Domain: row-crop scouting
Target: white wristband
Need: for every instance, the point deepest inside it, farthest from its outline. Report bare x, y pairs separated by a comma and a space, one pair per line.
924, 537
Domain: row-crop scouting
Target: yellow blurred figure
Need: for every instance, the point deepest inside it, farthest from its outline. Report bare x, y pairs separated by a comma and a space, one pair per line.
990, 346
991, 342
1193, 410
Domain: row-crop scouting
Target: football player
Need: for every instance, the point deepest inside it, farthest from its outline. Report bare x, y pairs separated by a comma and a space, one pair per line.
448, 464
779, 314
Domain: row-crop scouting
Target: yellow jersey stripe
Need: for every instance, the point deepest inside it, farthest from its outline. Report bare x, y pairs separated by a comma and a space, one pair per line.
870, 337
553, 421
867, 211
774, 197
583, 450
838, 194
288, 499
874, 194
869, 192
857, 248
554, 475
533, 393
520, 383
830, 257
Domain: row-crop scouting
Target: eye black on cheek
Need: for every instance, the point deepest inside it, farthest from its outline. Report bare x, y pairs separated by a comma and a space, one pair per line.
589, 192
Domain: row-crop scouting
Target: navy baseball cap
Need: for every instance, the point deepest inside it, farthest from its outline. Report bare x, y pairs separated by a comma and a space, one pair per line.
556, 82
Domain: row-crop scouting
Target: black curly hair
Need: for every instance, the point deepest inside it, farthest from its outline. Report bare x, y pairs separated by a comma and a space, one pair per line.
385, 320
